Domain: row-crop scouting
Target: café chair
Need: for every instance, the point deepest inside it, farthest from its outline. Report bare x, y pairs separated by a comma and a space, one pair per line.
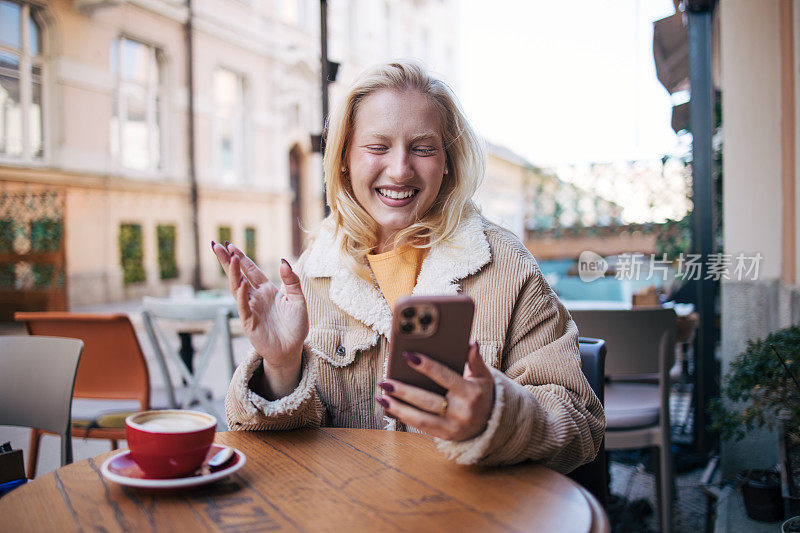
36, 379
186, 314
112, 380
641, 345
593, 476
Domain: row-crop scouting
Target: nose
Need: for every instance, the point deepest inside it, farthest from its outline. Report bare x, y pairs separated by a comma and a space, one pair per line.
399, 167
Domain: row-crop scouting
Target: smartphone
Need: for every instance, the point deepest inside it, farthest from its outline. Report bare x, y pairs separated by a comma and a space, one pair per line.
436, 326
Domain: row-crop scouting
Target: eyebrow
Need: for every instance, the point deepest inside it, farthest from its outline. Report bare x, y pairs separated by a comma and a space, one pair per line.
415, 138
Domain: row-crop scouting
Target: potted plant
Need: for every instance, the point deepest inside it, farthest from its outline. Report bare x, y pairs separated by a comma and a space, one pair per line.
792, 525
762, 389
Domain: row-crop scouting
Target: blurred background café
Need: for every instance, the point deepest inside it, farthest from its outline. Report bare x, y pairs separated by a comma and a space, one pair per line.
645, 152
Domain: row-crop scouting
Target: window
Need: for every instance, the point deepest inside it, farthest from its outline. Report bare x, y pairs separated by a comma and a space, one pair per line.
289, 12
229, 125
136, 118
21, 75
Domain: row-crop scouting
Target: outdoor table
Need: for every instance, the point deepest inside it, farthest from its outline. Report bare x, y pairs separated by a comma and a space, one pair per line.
316, 479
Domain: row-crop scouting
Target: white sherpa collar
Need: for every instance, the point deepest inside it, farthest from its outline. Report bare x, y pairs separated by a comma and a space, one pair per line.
446, 264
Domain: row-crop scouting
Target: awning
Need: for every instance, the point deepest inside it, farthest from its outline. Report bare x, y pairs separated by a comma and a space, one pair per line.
671, 51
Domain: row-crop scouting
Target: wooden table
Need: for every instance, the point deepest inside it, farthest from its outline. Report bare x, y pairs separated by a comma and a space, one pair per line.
315, 480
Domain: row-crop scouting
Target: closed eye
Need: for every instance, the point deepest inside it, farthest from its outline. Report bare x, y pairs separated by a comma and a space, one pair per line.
425, 150
376, 148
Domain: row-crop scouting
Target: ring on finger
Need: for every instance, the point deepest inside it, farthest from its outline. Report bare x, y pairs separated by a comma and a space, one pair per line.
443, 409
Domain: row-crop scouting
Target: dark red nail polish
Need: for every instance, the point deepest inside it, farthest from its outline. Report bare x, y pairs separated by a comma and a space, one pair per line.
388, 387
285, 262
212, 244
226, 244
478, 346
412, 358
382, 402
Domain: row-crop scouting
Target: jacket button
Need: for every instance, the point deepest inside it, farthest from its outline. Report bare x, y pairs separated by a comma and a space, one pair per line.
340, 350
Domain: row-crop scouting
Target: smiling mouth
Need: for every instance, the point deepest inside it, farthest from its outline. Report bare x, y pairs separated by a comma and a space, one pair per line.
397, 195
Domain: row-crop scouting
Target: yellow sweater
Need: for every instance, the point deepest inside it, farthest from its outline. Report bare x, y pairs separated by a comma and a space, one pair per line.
396, 271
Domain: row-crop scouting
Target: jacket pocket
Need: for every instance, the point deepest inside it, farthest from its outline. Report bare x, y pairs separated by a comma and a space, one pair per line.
340, 346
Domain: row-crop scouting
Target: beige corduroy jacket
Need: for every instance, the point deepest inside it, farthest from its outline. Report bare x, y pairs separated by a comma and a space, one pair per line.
544, 410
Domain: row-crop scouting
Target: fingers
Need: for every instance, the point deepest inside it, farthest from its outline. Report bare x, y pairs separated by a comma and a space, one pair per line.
464, 412
291, 282
240, 288
439, 373
231, 264
234, 272
250, 270
431, 424
420, 398
222, 255
476, 367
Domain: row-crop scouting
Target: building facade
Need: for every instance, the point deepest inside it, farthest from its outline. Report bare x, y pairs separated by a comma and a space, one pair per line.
95, 101
759, 50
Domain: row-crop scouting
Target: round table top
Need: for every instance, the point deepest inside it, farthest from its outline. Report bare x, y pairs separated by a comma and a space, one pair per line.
315, 479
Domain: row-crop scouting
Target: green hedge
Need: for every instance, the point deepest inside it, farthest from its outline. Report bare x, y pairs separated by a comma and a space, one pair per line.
131, 253
167, 263
7, 235
46, 234
250, 243
224, 233
43, 274
8, 278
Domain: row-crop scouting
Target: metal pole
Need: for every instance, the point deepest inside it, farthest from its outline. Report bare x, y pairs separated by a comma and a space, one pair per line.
190, 141
701, 110
323, 35
323, 15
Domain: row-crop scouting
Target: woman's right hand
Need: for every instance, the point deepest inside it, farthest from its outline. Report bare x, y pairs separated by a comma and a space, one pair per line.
276, 324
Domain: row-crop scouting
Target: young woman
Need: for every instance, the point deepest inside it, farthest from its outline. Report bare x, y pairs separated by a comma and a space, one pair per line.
401, 166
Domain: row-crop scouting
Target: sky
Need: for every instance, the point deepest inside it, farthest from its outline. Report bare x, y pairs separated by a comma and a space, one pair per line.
564, 82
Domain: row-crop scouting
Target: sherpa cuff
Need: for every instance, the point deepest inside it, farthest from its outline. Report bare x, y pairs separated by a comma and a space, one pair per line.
471, 451
282, 407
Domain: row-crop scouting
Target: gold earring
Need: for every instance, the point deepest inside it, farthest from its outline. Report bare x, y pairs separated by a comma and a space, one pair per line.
446, 171
344, 169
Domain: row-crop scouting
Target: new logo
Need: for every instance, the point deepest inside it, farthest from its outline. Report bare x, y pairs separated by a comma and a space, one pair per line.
591, 266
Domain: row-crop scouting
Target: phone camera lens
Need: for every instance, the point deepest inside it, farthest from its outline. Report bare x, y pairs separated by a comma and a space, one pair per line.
425, 319
408, 312
406, 327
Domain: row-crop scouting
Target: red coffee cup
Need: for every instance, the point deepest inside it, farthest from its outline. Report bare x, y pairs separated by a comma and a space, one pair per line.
171, 442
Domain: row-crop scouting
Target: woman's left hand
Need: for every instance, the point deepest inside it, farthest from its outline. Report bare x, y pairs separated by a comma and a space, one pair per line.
460, 415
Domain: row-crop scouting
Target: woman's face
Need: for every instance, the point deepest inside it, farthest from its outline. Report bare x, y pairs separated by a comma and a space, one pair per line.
396, 159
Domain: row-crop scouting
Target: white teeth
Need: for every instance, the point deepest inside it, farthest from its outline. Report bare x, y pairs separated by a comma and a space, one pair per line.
397, 195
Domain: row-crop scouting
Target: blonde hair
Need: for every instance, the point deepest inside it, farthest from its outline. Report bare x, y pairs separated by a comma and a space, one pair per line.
465, 161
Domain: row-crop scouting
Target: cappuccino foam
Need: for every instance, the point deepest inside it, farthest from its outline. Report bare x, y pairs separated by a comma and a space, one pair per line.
173, 424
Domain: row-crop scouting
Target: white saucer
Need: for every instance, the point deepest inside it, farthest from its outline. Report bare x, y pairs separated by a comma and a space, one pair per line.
121, 469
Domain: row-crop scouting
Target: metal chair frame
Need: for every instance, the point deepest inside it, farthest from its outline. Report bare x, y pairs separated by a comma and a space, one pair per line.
37, 375
156, 309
